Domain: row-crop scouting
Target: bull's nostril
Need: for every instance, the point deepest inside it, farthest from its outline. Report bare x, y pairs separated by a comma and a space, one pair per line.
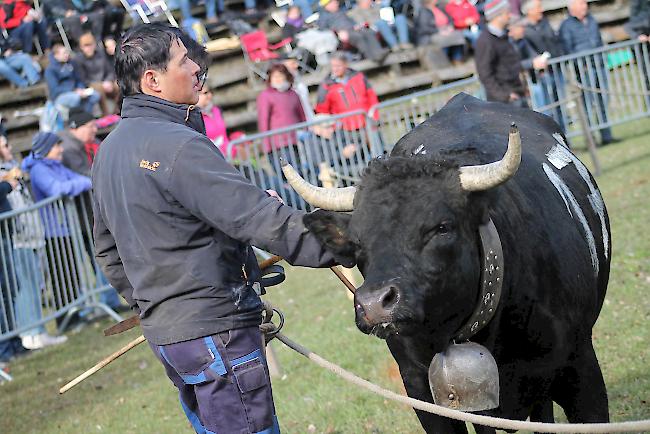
389, 298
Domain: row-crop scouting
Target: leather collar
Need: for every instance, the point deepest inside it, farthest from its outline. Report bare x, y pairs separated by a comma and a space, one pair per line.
491, 282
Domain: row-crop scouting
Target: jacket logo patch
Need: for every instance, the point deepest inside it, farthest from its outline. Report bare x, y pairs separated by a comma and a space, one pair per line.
146, 164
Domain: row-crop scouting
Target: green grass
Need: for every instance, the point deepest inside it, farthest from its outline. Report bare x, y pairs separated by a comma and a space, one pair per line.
132, 395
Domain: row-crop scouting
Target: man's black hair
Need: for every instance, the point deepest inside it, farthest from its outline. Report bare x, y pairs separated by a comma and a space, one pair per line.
145, 46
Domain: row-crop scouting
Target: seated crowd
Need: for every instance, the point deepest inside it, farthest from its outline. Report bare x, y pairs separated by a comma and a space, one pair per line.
507, 38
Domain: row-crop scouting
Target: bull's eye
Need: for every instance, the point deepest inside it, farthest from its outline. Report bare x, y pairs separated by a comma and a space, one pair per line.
443, 228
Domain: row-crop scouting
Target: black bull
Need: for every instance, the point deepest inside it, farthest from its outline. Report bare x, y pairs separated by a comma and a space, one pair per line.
413, 233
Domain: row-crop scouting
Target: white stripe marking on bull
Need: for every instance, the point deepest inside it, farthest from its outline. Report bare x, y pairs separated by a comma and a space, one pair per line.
560, 156
571, 203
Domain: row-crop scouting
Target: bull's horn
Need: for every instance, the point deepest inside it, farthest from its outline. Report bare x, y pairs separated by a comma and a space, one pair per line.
333, 199
486, 176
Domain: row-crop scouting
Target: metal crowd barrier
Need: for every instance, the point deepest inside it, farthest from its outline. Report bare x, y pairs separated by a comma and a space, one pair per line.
47, 265
613, 82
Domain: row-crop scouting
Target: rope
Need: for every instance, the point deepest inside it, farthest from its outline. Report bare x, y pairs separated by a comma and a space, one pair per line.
495, 422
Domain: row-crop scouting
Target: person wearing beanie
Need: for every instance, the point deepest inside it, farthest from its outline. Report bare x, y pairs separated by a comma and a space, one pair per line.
50, 178
497, 60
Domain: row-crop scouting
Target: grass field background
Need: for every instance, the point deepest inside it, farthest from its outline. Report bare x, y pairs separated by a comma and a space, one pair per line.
133, 395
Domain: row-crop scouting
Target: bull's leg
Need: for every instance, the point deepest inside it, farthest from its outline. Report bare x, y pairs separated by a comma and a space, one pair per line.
580, 389
542, 412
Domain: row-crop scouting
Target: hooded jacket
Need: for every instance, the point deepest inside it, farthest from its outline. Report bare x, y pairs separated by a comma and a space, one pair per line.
174, 224
51, 178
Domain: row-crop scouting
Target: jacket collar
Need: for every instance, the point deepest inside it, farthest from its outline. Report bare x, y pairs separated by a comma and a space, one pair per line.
141, 105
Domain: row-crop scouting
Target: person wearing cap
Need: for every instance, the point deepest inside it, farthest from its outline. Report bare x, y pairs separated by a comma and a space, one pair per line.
349, 32
580, 32
50, 178
97, 71
76, 139
497, 61
27, 242
174, 225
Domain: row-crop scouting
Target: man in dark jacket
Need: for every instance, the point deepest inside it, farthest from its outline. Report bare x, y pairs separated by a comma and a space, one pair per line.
638, 25
497, 61
580, 32
97, 71
81, 131
174, 225
356, 34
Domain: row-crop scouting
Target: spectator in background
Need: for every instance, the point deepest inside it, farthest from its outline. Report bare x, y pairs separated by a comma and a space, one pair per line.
433, 25
96, 71
294, 23
638, 25
22, 22
349, 32
49, 178
366, 12
298, 85
210, 10
109, 49
497, 61
66, 89
12, 346
580, 32
28, 241
114, 14
76, 16
465, 17
215, 126
345, 90
542, 40
279, 106
79, 141
16, 66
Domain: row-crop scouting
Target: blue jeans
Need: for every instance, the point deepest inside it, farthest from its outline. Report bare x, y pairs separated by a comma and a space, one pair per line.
305, 6
210, 8
547, 91
387, 33
25, 34
72, 99
27, 264
17, 65
472, 37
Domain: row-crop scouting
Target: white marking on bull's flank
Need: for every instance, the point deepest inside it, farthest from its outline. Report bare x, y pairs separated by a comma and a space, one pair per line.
558, 138
419, 150
570, 201
557, 157
595, 198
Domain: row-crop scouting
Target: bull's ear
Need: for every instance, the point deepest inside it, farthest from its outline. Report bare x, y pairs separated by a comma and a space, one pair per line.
331, 229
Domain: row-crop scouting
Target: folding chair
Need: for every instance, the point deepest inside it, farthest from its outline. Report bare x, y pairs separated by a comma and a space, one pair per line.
258, 52
144, 9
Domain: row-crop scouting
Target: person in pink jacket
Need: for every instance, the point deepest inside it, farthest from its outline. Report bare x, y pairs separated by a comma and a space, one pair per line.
279, 106
215, 126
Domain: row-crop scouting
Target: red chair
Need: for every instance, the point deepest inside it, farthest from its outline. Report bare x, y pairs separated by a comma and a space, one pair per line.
258, 52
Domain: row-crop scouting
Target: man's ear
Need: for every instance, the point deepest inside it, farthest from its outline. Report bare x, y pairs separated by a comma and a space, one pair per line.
150, 82
331, 229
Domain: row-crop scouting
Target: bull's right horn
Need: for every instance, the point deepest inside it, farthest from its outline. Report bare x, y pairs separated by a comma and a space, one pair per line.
486, 176
333, 199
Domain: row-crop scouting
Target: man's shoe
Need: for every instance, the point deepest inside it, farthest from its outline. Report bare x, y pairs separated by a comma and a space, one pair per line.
42, 340
610, 141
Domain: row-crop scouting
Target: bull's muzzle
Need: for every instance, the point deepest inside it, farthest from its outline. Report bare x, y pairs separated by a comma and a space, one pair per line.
376, 306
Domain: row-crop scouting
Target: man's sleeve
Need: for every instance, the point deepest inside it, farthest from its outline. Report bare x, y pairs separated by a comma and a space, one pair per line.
565, 35
215, 192
109, 259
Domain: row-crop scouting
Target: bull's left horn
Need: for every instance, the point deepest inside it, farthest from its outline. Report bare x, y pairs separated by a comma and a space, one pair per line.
486, 176
333, 199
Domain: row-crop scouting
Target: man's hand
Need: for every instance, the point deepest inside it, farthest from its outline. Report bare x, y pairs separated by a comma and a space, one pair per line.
275, 194
107, 86
80, 92
343, 35
540, 62
69, 13
514, 96
644, 38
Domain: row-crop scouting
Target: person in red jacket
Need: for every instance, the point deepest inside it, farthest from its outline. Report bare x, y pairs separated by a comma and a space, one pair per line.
22, 22
345, 90
465, 17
